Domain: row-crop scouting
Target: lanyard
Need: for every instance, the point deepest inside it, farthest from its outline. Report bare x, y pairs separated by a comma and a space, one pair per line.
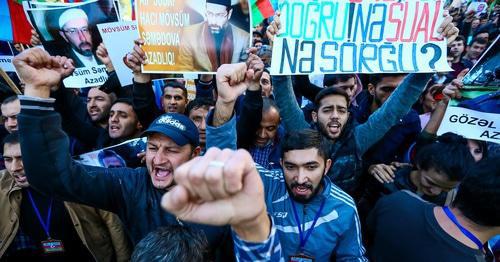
303, 239
466, 232
45, 225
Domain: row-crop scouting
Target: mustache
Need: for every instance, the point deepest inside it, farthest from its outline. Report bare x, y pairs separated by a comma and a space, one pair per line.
306, 185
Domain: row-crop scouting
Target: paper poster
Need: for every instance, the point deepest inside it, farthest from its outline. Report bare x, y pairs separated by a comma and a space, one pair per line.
363, 36
121, 155
118, 37
6, 63
479, 7
71, 31
477, 114
189, 36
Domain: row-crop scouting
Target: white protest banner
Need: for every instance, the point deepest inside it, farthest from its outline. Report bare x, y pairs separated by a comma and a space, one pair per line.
362, 36
477, 114
71, 31
118, 37
6, 63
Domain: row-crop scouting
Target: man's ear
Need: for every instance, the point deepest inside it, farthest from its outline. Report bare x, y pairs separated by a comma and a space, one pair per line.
196, 152
314, 116
371, 89
61, 33
328, 164
139, 126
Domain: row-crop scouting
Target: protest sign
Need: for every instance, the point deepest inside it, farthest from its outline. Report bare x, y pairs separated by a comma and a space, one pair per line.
6, 57
71, 31
121, 155
120, 37
477, 114
367, 36
183, 38
479, 7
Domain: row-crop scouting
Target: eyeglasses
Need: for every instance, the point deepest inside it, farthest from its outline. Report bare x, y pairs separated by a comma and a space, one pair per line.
74, 31
217, 15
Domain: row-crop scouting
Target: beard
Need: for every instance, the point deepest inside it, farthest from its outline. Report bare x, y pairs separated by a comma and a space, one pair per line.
302, 199
80, 49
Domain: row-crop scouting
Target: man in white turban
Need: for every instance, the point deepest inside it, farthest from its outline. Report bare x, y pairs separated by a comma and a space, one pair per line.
74, 29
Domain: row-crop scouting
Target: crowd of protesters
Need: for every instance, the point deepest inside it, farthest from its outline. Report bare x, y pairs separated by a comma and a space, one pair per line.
255, 167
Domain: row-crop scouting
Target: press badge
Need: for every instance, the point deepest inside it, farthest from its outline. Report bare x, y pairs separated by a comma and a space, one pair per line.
301, 258
52, 246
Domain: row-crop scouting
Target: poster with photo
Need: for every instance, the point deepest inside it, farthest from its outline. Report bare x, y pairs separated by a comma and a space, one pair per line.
477, 114
71, 31
121, 155
190, 36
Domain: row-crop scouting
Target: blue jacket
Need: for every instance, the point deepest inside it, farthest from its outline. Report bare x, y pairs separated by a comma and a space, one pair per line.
125, 191
337, 233
356, 139
395, 143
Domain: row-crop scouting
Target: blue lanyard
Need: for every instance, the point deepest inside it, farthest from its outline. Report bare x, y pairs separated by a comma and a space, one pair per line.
466, 232
303, 239
45, 225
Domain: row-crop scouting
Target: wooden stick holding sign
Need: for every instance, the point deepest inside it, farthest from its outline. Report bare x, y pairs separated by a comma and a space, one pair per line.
10, 82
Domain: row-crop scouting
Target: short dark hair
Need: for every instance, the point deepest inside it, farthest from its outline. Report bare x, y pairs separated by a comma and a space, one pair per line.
305, 139
175, 84
10, 99
375, 79
124, 100
448, 155
12, 138
479, 193
479, 40
199, 102
333, 79
329, 91
172, 243
268, 103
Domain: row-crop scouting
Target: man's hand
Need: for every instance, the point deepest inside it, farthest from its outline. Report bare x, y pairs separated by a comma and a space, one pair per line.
273, 28
383, 173
231, 82
41, 72
447, 29
102, 54
135, 59
35, 38
220, 188
256, 67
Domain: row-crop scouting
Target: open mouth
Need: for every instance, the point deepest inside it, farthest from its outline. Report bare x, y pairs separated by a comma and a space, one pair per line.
302, 190
162, 174
113, 128
334, 127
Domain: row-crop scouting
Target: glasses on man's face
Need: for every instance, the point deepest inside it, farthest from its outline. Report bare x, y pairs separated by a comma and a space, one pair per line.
217, 15
74, 31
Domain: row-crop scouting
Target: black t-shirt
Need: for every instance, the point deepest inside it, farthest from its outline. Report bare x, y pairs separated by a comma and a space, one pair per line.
404, 228
61, 228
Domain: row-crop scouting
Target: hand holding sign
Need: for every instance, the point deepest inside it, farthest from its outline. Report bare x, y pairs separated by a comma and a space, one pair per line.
35, 38
220, 188
273, 28
452, 90
41, 72
102, 54
135, 59
447, 29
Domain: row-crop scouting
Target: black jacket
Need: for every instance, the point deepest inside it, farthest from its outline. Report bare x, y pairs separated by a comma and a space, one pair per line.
124, 191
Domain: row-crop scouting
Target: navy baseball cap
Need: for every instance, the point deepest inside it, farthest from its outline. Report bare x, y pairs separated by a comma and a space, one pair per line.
177, 127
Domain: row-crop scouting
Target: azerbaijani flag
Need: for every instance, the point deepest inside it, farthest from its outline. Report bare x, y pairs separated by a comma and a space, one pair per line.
14, 25
261, 9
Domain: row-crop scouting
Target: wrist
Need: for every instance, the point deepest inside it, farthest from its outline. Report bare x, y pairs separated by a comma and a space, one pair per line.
254, 230
142, 78
41, 92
